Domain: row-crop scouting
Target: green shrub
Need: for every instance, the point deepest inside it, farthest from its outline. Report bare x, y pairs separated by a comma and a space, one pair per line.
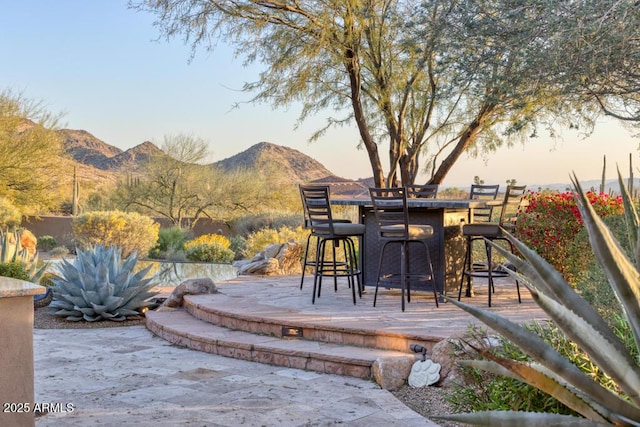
258, 241
129, 231
15, 269
58, 252
170, 242
209, 252
248, 224
482, 391
46, 243
238, 246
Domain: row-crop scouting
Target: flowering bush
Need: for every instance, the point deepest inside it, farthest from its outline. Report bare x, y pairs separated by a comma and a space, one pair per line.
208, 239
550, 222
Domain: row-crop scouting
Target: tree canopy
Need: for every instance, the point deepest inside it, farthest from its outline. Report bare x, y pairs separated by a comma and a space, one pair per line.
30, 151
177, 185
433, 78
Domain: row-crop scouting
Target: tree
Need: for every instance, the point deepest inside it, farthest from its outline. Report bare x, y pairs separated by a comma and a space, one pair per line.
30, 153
175, 184
435, 78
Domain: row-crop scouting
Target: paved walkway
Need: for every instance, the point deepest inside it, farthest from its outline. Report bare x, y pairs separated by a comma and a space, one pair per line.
128, 377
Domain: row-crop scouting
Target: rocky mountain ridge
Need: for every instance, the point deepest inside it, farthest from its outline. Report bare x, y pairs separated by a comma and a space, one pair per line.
264, 157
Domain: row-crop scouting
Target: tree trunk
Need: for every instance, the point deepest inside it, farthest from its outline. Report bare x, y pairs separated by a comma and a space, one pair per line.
467, 137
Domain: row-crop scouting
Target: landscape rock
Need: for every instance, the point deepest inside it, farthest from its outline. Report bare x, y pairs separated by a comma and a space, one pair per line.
199, 286
391, 373
275, 259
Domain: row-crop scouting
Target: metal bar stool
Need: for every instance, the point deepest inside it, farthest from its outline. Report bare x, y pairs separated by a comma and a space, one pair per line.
317, 206
392, 217
491, 231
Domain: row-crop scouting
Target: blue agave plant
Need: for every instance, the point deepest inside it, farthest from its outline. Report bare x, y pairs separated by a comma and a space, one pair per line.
98, 286
549, 371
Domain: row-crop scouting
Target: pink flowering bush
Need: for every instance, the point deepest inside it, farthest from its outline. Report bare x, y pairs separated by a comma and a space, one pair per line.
550, 222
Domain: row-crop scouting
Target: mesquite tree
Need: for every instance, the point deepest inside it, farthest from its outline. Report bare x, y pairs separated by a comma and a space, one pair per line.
432, 78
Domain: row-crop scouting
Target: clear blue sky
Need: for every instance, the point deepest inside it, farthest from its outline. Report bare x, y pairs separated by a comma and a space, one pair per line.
101, 65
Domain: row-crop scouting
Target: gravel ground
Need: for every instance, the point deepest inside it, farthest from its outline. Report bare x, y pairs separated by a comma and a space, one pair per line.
427, 401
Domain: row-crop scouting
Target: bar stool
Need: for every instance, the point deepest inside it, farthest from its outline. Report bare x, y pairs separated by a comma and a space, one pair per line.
306, 261
491, 231
392, 217
426, 191
317, 205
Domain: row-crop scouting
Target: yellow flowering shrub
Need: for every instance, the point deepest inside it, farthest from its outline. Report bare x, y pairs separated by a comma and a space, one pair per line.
208, 239
130, 231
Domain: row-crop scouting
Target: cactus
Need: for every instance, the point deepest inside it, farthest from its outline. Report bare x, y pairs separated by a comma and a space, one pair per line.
549, 371
98, 286
19, 246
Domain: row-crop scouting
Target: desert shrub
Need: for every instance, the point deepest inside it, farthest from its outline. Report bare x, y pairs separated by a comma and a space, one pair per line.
259, 240
46, 243
170, 243
10, 216
130, 231
15, 269
59, 252
208, 239
209, 252
550, 222
592, 282
248, 224
238, 246
480, 390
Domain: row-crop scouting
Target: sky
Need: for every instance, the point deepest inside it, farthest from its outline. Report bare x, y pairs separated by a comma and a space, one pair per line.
104, 69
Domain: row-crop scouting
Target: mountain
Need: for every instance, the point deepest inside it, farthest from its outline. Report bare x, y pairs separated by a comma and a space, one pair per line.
86, 149
108, 162
265, 157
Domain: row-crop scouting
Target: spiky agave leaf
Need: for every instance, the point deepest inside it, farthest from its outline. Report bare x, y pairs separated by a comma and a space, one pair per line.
96, 286
515, 418
621, 272
580, 322
543, 353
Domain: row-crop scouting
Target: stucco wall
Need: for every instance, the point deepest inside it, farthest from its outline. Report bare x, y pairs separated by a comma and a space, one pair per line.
59, 227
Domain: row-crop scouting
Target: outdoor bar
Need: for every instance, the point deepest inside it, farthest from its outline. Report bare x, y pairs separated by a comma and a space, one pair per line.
446, 247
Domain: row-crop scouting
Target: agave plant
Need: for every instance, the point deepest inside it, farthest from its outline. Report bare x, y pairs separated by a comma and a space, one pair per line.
549, 371
98, 286
12, 250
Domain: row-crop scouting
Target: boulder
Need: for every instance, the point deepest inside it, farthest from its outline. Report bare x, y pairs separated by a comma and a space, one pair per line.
391, 372
199, 286
275, 259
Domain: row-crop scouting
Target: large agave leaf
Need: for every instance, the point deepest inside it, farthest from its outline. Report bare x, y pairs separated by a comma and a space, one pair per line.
521, 419
619, 365
536, 376
553, 285
544, 354
621, 273
631, 217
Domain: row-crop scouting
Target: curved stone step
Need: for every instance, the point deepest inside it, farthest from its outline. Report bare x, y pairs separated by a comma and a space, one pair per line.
180, 328
234, 313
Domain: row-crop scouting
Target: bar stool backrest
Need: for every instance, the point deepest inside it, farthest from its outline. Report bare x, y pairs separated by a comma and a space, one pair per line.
511, 206
483, 192
428, 191
317, 209
392, 215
